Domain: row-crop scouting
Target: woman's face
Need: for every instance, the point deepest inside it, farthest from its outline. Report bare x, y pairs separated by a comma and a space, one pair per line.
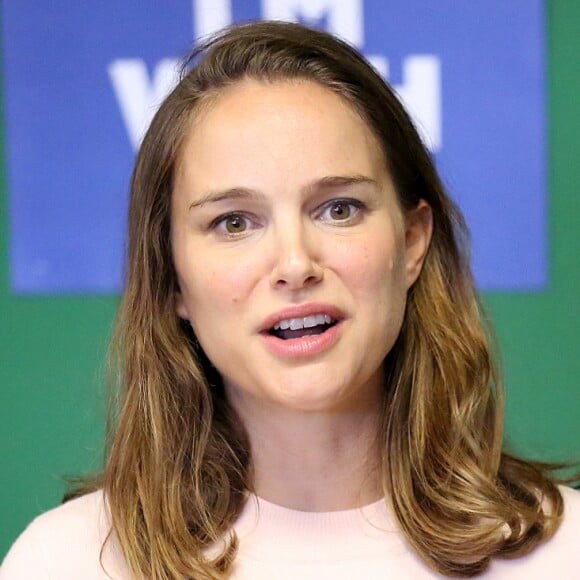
292, 253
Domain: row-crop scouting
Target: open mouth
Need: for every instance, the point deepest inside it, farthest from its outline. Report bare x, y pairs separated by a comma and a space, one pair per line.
293, 328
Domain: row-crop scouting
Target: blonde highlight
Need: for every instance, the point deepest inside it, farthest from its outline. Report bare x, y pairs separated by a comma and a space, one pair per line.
179, 465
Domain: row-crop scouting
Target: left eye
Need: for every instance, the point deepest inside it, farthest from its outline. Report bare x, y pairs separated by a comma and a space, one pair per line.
341, 210
235, 224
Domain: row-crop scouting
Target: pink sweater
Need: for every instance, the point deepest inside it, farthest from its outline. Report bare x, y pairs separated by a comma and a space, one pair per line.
276, 544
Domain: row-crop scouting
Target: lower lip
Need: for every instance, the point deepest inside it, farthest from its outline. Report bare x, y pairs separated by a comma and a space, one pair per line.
306, 346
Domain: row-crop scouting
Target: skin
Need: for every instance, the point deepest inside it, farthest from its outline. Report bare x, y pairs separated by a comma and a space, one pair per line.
271, 153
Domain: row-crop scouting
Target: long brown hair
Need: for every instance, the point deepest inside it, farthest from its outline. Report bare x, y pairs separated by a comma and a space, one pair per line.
179, 464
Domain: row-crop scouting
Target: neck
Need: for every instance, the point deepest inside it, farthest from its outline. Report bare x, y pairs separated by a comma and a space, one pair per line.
313, 461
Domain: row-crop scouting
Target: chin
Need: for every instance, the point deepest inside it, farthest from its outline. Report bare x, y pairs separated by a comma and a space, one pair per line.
313, 395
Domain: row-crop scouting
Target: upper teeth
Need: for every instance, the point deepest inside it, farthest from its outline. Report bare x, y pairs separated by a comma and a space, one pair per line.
306, 322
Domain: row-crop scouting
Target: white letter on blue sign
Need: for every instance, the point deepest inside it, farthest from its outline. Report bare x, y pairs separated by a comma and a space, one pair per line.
210, 16
138, 97
420, 92
345, 17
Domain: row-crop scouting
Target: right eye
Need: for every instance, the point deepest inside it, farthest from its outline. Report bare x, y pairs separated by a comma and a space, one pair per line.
232, 224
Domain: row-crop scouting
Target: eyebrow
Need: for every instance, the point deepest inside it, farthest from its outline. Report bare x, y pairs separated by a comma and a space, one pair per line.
232, 193
323, 184
339, 182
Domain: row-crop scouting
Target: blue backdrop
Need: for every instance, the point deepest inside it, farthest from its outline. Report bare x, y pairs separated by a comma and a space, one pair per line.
83, 78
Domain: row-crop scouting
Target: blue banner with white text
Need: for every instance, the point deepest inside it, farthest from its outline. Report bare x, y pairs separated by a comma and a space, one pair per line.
83, 79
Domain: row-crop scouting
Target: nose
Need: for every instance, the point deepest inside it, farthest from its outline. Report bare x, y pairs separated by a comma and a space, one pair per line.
296, 263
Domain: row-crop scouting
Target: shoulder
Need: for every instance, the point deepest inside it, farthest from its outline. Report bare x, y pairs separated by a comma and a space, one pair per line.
559, 557
565, 540
571, 498
569, 529
83, 520
87, 512
65, 542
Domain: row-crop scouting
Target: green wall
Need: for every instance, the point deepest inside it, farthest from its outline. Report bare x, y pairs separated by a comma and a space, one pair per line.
52, 348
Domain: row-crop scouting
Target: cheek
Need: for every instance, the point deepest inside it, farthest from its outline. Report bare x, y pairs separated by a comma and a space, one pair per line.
374, 268
217, 285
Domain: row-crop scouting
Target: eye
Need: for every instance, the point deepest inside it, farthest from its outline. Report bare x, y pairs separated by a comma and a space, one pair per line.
233, 224
339, 211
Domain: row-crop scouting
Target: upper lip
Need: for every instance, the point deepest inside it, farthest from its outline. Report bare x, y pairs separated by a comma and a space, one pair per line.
301, 311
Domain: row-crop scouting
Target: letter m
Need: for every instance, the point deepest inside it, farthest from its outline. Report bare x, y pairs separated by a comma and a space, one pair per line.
343, 18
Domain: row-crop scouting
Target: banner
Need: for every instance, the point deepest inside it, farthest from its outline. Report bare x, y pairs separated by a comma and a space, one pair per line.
83, 79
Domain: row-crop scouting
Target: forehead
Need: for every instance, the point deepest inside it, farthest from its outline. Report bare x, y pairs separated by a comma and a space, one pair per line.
291, 128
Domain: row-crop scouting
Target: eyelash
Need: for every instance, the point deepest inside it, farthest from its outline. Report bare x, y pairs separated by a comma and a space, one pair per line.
218, 224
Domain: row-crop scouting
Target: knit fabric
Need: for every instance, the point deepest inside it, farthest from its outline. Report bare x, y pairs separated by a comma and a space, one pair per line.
276, 543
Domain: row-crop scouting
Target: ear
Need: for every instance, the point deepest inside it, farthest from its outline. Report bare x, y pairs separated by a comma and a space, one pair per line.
418, 230
180, 306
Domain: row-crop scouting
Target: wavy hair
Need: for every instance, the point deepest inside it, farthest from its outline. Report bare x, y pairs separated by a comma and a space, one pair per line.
179, 464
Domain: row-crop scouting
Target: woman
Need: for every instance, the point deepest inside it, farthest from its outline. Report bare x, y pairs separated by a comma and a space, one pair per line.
307, 389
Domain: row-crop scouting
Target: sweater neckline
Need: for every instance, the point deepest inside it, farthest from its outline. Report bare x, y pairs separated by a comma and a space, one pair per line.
268, 530
259, 506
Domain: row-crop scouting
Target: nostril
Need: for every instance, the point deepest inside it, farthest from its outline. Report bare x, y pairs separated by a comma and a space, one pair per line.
299, 282
295, 270
312, 279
